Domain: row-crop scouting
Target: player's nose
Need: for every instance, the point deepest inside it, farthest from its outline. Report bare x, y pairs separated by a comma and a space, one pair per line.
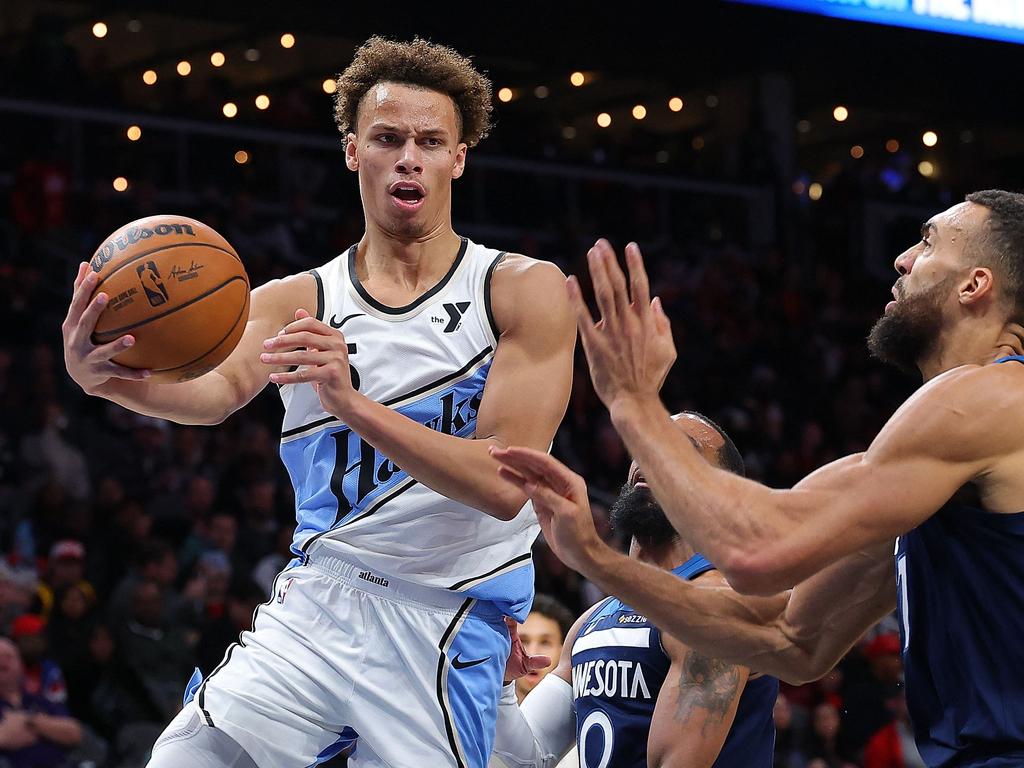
905, 262
411, 159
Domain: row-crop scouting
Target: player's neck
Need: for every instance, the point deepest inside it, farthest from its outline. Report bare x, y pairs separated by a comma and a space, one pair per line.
667, 557
412, 263
974, 346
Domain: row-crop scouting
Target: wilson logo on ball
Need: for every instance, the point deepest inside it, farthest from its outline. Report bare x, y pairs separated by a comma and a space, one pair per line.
133, 235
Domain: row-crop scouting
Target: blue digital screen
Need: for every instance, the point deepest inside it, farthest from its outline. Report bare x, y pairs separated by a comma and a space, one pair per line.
993, 19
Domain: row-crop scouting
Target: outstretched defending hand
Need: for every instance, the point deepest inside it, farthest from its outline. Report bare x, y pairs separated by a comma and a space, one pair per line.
630, 349
520, 663
321, 353
559, 498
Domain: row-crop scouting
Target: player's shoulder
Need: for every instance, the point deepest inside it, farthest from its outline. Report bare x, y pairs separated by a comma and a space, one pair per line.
980, 389
530, 294
967, 412
276, 300
516, 270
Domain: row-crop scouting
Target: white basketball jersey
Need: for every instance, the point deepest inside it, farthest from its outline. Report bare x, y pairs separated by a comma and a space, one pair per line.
429, 361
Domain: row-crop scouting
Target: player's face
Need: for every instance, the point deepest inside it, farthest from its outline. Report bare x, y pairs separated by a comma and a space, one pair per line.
407, 152
939, 254
926, 291
540, 635
636, 512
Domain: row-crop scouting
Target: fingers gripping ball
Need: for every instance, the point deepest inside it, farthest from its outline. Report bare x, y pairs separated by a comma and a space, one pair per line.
179, 288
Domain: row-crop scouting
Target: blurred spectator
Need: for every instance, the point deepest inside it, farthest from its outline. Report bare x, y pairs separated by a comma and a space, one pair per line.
868, 701
893, 746
42, 676
823, 744
542, 634
65, 568
17, 592
153, 660
243, 597
35, 732
790, 730
157, 564
70, 629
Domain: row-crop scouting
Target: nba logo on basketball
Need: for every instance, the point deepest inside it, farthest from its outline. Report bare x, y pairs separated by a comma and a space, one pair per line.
152, 283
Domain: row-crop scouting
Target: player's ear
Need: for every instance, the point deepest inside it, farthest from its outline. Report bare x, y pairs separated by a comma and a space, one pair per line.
977, 284
460, 161
351, 156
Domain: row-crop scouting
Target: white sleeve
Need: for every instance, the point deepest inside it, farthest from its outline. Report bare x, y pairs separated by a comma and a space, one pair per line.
540, 732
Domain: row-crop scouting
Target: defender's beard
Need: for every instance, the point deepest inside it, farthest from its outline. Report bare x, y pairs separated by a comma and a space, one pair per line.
910, 331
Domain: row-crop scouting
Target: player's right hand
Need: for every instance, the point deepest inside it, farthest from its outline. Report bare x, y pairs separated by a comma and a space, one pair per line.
560, 500
90, 365
520, 663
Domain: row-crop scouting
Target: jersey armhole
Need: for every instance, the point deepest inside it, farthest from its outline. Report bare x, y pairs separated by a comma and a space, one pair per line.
491, 324
320, 303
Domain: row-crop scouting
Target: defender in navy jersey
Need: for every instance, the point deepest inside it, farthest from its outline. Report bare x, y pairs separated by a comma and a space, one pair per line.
945, 475
628, 694
399, 362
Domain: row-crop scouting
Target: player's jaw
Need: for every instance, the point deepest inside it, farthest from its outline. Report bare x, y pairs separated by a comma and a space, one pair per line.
909, 328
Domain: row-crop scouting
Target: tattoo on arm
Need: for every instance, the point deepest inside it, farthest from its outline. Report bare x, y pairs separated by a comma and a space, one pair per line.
708, 685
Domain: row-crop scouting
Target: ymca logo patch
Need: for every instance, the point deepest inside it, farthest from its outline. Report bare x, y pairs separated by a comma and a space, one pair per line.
454, 320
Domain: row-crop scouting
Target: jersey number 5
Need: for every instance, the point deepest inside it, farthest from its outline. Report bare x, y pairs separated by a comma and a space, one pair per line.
352, 368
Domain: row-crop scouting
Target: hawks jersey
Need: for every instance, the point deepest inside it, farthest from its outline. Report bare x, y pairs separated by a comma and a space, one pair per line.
618, 668
428, 361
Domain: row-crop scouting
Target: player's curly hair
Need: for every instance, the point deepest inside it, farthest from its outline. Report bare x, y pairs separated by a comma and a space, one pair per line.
419, 63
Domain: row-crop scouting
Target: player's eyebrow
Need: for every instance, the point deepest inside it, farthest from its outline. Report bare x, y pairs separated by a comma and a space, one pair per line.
929, 228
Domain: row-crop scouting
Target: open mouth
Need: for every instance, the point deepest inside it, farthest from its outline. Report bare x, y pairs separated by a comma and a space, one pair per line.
407, 194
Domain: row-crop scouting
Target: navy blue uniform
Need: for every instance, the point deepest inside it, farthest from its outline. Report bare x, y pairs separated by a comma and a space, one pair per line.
618, 667
960, 580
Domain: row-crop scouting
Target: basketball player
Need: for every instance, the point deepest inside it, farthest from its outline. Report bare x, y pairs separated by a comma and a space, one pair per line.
639, 696
400, 362
945, 475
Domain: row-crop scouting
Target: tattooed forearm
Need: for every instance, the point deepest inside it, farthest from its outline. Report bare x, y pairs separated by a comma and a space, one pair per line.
706, 686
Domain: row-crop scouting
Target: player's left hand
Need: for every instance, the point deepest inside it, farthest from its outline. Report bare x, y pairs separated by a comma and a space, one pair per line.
630, 349
321, 353
520, 663
560, 500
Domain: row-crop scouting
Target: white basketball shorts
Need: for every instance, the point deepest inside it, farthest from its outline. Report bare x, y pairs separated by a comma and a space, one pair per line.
340, 655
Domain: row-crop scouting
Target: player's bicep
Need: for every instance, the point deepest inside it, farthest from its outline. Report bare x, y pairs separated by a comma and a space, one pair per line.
527, 388
272, 306
695, 709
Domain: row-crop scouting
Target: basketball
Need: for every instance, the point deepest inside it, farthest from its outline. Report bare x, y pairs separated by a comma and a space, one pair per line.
179, 288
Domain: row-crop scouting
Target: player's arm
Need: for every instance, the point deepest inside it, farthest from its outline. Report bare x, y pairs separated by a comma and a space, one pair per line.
796, 636
765, 540
209, 399
525, 397
696, 706
542, 730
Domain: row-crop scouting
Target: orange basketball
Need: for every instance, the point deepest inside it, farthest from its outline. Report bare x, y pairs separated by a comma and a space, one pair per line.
178, 288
